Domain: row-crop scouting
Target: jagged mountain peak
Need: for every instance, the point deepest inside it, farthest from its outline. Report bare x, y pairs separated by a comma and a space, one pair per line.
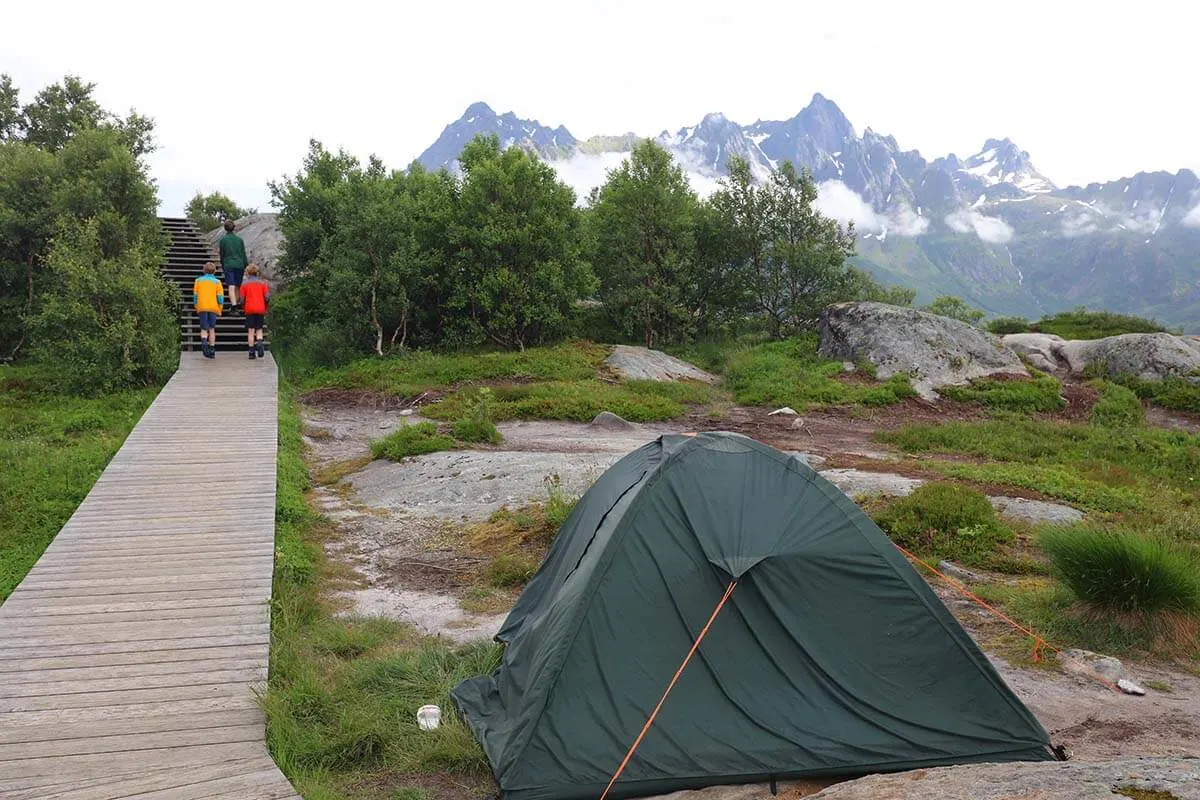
476, 110
1002, 162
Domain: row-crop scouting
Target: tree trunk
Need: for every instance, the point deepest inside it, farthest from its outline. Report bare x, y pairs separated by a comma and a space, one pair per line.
374, 304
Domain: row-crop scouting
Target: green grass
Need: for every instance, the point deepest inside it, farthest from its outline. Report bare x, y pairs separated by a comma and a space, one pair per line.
1053, 611
343, 693
411, 440
582, 400
418, 372
791, 373
509, 570
946, 521
53, 447
1005, 325
1117, 407
1178, 394
1100, 468
1083, 324
1040, 393
1123, 572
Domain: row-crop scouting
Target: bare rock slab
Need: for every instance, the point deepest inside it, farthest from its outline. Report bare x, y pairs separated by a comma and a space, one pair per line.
1035, 511
854, 482
640, 363
935, 351
1068, 780
1148, 356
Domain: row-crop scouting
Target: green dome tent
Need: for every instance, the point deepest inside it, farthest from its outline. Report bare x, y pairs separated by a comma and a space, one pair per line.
831, 656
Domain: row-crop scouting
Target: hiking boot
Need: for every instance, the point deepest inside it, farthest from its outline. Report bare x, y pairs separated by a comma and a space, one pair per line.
251, 354
261, 349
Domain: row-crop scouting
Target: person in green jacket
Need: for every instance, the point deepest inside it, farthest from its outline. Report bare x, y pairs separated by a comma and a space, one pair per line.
233, 261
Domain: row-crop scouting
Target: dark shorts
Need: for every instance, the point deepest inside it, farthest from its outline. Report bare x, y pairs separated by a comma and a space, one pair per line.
233, 277
254, 322
208, 320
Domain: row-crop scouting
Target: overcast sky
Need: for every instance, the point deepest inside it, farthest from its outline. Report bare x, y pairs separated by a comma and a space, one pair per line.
238, 91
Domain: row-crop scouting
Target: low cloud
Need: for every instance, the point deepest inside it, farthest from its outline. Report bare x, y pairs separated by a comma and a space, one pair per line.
1078, 225
838, 201
1192, 218
992, 230
584, 171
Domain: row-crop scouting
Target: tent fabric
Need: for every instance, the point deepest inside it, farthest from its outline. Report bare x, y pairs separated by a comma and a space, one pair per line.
831, 657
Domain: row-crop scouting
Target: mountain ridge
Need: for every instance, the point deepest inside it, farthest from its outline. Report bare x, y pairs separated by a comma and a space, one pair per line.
989, 227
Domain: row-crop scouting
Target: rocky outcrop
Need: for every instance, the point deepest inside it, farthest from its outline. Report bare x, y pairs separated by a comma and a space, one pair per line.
1148, 356
264, 241
935, 351
639, 363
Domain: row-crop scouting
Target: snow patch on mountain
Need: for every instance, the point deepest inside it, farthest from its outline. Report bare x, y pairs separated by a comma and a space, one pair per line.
992, 230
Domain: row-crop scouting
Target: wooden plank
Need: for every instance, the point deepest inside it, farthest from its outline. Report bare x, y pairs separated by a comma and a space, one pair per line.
11, 734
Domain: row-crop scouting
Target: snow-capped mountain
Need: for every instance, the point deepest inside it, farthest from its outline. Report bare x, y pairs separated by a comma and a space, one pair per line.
989, 227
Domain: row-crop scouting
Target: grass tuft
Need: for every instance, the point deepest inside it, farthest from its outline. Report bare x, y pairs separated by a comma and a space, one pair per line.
1124, 572
411, 440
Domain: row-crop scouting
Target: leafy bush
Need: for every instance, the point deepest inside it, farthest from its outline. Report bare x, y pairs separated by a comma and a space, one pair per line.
1083, 324
1118, 407
508, 571
209, 211
104, 323
411, 440
1001, 326
1041, 393
1124, 572
944, 519
581, 401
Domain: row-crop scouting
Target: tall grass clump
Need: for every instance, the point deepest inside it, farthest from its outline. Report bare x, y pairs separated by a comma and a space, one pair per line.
477, 425
1124, 572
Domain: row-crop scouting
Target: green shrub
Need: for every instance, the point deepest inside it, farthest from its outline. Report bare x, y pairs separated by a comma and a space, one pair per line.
476, 430
946, 520
792, 373
1179, 394
1083, 324
581, 401
1118, 407
1123, 571
411, 440
104, 324
1001, 326
1041, 393
508, 571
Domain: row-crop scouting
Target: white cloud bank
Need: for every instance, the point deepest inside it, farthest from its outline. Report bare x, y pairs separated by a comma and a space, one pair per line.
1192, 218
837, 200
992, 230
1078, 225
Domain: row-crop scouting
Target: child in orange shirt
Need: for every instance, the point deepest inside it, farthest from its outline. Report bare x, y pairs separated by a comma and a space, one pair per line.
208, 298
255, 294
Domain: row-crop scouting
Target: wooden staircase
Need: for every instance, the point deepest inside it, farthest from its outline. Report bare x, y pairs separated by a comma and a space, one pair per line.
185, 262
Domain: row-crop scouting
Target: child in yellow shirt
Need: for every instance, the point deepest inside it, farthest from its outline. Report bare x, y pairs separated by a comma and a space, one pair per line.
209, 299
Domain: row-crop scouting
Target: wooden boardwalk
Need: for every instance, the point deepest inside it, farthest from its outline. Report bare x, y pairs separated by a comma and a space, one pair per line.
130, 654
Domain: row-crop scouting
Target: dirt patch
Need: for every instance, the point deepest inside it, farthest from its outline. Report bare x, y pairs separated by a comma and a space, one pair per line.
1177, 420
439, 785
1080, 398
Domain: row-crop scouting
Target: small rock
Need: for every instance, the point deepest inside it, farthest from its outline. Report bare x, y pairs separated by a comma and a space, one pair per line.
407, 412
786, 410
1086, 664
608, 421
848, 366
812, 459
1129, 687
387, 423
960, 573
